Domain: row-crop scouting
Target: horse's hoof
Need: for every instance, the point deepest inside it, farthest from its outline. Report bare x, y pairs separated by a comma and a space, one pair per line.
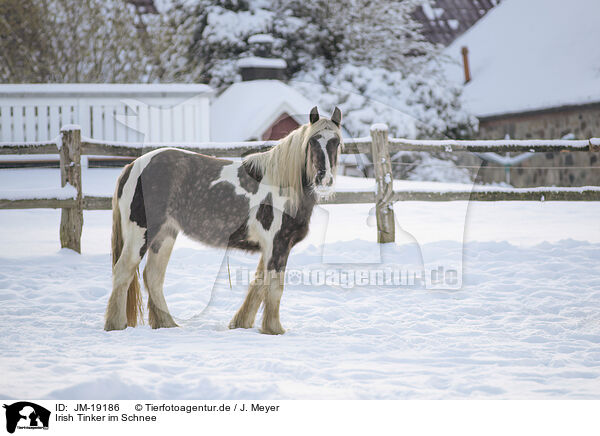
239, 325
160, 319
273, 331
109, 326
164, 325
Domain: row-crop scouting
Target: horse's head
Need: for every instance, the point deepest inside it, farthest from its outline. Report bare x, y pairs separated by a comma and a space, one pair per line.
322, 152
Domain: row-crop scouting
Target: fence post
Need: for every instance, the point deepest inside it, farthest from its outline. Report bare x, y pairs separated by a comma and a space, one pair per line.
71, 221
386, 224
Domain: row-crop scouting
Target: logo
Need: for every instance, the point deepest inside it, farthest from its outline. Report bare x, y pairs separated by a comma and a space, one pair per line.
26, 415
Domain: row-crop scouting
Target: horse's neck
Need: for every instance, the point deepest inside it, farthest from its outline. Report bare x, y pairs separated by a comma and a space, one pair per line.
307, 203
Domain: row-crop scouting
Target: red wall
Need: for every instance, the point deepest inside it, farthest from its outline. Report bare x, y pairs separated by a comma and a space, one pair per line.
280, 128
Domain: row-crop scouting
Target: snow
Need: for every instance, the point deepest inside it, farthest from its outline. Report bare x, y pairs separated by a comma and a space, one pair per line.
261, 38
64, 193
532, 143
421, 103
530, 55
454, 24
228, 26
70, 127
192, 145
506, 160
258, 62
59, 89
379, 127
363, 184
432, 13
426, 167
246, 109
14, 157
523, 324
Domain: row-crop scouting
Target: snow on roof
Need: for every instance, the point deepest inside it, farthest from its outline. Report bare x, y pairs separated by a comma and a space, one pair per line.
261, 38
103, 88
246, 109
257, 62
530, 55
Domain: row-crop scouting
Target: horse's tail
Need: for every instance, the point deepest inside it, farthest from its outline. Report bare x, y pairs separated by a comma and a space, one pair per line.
134, 306
117, 233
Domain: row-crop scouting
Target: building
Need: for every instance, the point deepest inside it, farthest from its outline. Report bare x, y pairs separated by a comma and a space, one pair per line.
261, 106
533, 71
257, 110
442, 21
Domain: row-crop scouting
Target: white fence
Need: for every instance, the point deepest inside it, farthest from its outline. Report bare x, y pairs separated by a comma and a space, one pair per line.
108, 112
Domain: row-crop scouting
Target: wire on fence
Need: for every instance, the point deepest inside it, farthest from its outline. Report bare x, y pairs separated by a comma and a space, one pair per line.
501, 167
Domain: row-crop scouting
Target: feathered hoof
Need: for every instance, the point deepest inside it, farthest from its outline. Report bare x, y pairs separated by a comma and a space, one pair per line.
110, 325
237, 323
163, 324
160, 319
274, 330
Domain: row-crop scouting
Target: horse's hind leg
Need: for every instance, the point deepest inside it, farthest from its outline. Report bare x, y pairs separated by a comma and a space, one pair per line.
244, 317
154, 277
124, 273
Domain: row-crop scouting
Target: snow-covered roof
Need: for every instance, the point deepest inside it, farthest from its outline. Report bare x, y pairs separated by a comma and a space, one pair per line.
246, 109
104, 89
258, 62
261, 38
531, 55
444, 20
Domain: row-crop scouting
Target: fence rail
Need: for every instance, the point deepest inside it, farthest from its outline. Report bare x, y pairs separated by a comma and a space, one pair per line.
352, 146
363, 145
70, 146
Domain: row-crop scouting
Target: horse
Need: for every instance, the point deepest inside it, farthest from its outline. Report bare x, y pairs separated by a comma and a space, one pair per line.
262, 203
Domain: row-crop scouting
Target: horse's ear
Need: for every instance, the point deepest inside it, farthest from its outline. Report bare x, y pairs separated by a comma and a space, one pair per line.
314, 115
337, 116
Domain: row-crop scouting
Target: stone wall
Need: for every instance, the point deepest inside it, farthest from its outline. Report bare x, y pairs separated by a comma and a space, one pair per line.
581, 121
559, 169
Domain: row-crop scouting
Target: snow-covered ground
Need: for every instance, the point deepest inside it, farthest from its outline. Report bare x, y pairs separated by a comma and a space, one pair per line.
524, 323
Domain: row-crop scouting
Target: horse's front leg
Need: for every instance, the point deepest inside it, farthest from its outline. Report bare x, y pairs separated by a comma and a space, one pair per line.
273, 292
244, 317
274, 281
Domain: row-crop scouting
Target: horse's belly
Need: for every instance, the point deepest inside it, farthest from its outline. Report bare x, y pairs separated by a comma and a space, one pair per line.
214, 217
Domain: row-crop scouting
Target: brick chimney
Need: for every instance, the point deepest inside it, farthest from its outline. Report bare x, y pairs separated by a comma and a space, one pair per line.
261, 65
465, 56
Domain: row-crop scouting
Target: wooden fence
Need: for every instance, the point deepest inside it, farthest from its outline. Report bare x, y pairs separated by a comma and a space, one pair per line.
71, 146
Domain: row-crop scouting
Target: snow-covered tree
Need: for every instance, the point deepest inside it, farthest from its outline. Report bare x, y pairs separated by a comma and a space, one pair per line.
359, 32
366, 56
204, 38
384, 72
415, 104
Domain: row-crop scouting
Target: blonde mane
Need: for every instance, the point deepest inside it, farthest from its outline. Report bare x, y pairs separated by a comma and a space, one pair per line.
282, 166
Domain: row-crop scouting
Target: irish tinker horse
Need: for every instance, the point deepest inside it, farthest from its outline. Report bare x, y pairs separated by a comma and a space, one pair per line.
260, 204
